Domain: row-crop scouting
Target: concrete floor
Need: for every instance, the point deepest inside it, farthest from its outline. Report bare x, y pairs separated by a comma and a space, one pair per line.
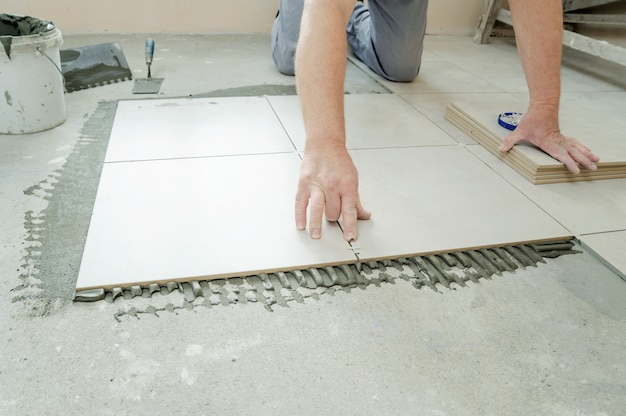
547, 340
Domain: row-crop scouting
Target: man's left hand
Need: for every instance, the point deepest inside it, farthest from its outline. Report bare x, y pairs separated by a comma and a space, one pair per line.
544, 133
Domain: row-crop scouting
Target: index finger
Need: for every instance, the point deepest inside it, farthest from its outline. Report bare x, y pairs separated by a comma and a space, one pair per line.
349, 214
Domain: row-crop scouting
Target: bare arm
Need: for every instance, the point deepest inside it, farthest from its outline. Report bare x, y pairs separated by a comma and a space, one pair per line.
538, 29
328, 179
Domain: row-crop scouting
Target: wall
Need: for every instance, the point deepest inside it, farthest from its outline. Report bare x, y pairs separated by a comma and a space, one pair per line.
458, 17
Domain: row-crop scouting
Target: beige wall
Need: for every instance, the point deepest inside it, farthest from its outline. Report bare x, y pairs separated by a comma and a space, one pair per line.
453, 17
458, 17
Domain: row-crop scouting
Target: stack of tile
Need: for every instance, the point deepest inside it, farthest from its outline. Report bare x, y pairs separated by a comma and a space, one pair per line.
601, 131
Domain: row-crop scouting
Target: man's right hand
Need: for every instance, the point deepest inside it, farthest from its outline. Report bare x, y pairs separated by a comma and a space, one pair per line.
328, 186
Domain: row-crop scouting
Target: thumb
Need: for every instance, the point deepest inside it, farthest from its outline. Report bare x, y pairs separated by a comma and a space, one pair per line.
509, 141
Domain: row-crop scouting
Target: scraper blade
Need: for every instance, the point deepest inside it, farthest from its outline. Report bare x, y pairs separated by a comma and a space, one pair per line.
148, 85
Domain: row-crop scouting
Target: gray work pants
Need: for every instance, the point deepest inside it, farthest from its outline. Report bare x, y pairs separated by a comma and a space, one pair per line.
387, 35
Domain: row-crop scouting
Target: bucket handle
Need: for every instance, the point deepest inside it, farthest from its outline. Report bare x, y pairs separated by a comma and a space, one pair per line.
41, 51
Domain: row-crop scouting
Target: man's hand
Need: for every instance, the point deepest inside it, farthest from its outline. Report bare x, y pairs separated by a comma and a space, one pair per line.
542, 130
538, 34
329, 185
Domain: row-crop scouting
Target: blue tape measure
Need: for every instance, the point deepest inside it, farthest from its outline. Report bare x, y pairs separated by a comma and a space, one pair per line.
509, 120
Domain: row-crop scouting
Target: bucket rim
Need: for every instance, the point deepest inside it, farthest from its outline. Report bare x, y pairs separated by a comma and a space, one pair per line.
19, 44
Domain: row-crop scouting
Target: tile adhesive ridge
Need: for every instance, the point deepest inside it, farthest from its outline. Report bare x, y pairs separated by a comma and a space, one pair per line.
282, 287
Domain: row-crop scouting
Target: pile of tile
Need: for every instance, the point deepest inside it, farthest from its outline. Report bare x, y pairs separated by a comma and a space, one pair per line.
480, 122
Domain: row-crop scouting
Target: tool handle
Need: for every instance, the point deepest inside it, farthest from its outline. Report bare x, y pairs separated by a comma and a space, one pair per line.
149, 50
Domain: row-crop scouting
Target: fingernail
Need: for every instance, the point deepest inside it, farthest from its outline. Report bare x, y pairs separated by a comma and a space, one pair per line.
316, 233
300, 226
351, 237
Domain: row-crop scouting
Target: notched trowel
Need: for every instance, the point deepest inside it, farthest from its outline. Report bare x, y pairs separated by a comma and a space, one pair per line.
148, 85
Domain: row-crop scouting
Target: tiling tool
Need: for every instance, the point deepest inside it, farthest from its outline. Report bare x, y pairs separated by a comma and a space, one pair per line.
355, 250
93, 66
148, 85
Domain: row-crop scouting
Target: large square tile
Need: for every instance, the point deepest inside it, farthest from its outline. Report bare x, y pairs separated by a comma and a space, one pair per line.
434, 107
609, 246
439, 199
440, 77
509, 75
461, 49
372, 121
582, 207
195, 127
200, 218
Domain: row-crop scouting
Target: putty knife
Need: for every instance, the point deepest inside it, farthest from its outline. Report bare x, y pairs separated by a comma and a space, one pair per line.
148, 85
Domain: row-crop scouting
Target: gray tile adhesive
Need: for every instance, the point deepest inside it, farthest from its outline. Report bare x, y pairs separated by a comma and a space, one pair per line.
282, 287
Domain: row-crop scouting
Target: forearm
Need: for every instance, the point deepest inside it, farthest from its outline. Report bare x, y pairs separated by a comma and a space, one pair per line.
539, 35
539, 30
320, 71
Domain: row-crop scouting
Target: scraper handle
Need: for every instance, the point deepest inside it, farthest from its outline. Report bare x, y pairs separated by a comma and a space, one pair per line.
149, 50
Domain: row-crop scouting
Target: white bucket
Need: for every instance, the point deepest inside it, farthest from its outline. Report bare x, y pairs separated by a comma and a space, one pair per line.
31, 83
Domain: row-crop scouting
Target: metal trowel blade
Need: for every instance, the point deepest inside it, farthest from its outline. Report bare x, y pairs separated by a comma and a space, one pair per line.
147, 85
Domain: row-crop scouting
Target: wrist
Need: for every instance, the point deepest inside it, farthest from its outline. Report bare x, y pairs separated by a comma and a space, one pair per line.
544, 104
325, 144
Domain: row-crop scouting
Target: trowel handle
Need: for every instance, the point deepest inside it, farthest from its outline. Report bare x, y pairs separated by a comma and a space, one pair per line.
149, 50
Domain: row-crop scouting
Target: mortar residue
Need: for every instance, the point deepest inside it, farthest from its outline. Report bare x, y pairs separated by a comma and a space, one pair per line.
447, 270
55, 237
14, 25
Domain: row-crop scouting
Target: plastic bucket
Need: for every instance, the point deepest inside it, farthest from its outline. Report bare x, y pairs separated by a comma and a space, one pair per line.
31, 83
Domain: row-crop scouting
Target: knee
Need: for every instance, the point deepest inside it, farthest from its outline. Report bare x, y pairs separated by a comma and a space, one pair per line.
284, 66
283, 54
401, 73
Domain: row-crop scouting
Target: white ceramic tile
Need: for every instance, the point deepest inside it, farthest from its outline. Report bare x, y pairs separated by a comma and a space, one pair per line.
434, 106
429, 56
509, 76
195, 127
609, 246
460, 49
358, 81
186, 219
287, 108
440, 77
573, 80
372, 121
434, 199
437, 77
582, 207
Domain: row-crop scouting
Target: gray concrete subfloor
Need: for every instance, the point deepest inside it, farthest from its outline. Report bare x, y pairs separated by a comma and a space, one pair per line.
548, 340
